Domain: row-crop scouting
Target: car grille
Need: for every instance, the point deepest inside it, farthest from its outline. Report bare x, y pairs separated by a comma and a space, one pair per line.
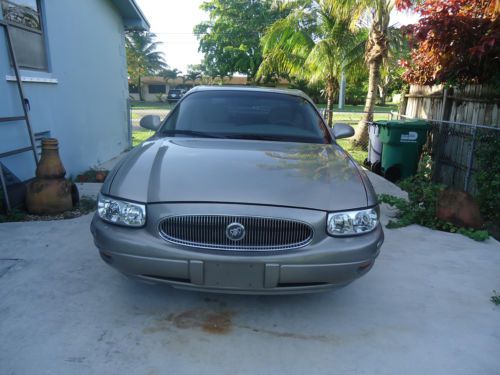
261, 233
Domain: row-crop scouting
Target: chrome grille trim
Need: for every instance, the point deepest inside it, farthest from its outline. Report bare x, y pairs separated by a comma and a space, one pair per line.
262, 233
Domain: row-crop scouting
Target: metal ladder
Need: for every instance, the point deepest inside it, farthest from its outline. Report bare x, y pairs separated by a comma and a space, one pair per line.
25, 117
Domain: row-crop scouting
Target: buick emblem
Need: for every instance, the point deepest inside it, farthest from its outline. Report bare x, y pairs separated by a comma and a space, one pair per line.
235, 231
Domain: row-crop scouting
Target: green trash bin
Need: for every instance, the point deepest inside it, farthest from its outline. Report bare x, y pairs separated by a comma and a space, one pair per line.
402, 142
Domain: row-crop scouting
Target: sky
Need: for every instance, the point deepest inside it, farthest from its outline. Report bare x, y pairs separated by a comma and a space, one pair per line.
173, 22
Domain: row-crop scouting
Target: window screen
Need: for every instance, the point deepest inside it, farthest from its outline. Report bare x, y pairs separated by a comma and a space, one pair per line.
27, 36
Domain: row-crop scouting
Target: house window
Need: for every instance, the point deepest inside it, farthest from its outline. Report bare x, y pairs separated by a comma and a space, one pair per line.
25, 19
133, 89
157, 89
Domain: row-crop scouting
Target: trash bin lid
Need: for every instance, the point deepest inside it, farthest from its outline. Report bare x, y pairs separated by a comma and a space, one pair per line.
396, 124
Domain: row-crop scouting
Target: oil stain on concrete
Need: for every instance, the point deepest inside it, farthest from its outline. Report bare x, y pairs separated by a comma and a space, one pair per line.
210, 321
220, 322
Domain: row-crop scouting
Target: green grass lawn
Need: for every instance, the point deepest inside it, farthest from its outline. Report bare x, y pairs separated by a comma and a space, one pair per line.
151, 105
347, 108
357, 153
351, 114
139, 136
352, 118
359, 108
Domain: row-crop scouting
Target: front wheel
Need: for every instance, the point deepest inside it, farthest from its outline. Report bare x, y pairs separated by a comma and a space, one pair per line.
393, 173
376, 168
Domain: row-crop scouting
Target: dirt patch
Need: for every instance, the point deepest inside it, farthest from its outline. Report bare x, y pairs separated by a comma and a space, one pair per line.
219, 322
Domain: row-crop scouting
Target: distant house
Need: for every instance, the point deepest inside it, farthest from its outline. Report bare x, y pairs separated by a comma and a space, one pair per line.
154, 88
74, 74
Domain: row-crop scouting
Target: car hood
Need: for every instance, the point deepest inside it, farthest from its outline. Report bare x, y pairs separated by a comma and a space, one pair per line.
314, 176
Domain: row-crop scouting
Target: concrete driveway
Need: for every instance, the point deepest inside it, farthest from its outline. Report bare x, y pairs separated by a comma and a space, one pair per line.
423, 309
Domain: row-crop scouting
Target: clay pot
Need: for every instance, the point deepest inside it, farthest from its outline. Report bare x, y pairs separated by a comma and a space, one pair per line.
49, 192
100, 176
50, 165
459, 208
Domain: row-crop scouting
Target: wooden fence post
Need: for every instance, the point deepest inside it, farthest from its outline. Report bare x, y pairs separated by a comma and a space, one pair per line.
404, 101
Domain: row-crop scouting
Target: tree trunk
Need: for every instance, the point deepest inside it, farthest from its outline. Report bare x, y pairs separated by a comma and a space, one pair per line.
139, 88
376, 50
329, 109
330, 93
361, 136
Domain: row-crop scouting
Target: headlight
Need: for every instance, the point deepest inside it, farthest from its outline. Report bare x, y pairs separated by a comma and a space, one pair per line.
350, 223
121, 212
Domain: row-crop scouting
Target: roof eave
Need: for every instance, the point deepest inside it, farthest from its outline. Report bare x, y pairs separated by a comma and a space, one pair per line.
133, 18
136, 24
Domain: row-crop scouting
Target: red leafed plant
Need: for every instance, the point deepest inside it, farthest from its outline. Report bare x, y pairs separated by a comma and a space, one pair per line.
455, 41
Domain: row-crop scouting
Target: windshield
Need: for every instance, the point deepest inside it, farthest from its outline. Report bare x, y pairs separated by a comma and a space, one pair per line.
246, 115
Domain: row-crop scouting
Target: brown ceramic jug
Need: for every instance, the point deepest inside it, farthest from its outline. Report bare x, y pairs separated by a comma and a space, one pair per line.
49, 193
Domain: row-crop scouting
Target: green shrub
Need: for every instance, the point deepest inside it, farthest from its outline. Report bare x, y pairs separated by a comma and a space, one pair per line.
87, 205
487, 175
495, 298
13, 216
420, 208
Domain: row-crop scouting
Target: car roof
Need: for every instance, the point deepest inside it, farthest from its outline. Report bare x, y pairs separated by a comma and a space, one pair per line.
251, 89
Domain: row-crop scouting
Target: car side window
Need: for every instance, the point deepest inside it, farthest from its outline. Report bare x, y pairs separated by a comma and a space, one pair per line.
171, 120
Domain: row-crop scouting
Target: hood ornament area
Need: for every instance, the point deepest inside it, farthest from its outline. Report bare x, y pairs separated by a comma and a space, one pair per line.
235, 231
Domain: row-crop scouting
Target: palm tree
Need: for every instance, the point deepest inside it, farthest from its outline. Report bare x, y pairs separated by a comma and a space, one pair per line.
375, 13
169, 74
194, 72
391, 70
143, 58
312, 43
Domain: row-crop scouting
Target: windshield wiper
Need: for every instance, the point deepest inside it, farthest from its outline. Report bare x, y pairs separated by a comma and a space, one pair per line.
275, 137
258, 137
194, 133
266, 137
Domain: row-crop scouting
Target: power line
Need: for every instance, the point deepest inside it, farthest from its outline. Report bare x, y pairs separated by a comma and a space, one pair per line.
197, 34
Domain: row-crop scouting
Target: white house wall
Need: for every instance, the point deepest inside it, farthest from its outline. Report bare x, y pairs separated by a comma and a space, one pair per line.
86, 109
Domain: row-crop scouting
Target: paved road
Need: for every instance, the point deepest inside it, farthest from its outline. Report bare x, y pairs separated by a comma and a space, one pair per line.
423, 309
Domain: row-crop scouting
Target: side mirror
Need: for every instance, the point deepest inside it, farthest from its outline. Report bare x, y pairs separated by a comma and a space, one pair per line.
342, 131
151, 122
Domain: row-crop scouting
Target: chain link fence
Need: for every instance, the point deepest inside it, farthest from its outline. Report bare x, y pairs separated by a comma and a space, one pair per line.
462, 153
458, 150
358, 150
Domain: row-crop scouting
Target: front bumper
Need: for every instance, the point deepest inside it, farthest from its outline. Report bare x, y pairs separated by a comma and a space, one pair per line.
327, 262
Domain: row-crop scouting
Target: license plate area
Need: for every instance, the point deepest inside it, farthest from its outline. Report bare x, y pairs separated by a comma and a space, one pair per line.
234, 275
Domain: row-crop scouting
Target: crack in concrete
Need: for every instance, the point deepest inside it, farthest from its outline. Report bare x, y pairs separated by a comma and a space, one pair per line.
11, 262
287, 335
